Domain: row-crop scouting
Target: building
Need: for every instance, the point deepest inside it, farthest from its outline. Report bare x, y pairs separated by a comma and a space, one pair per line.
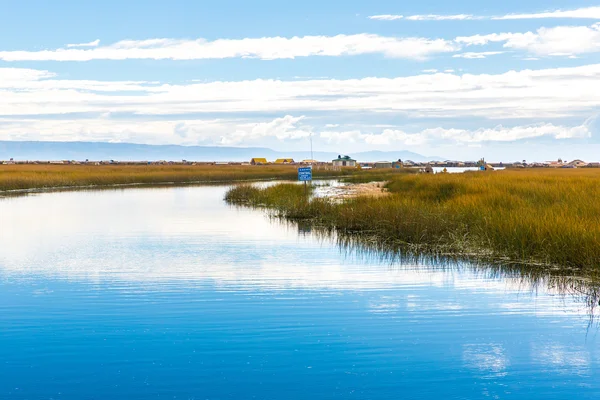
258, 161
578, 163
556, 164
284, 161
344, 161
383, 164
310, 162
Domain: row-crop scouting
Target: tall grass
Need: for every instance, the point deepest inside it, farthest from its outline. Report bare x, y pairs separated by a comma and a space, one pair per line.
549, 217
378, 175
28, 176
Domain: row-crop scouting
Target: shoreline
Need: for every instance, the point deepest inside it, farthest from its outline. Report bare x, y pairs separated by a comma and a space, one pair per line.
15, 192
547, 220
16, 179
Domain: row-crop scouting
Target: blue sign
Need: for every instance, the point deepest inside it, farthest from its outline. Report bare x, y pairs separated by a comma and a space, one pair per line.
305, 174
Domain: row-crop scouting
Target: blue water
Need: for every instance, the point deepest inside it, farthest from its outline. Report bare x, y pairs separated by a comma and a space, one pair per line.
171, 294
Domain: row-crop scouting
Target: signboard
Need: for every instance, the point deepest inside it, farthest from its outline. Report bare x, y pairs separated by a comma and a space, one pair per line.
305, 174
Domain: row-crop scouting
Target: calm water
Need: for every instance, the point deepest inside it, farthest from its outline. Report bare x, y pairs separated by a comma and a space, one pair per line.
171, 294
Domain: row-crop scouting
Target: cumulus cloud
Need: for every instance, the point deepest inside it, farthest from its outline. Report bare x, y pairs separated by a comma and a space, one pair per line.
266, 48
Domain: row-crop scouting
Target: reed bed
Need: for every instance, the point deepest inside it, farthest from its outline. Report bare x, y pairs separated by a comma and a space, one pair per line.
549, 218
43, 176
378, 175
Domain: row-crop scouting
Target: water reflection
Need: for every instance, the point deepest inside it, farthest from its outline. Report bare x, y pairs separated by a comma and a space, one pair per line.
189, 234
140, 292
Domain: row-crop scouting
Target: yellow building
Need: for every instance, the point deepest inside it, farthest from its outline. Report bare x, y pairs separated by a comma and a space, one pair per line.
284, 161
258, 161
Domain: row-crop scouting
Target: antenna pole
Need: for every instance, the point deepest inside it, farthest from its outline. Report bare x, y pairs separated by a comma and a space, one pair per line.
311, 148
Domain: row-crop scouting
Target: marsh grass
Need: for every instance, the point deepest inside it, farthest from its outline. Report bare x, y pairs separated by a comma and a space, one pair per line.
378, 175
544, 218
43, 176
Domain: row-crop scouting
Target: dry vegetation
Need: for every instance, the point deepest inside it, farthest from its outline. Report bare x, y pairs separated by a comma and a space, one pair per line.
41, 176
549, 217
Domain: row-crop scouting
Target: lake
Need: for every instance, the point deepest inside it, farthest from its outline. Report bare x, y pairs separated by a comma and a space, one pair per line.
169, 293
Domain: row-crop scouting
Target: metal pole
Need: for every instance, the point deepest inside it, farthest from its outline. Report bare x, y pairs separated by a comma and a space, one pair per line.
311, 148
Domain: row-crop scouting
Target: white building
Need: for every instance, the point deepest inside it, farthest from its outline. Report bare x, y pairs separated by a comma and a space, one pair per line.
344, 161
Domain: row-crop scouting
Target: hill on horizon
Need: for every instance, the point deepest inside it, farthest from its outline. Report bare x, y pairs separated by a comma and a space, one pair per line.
97, 151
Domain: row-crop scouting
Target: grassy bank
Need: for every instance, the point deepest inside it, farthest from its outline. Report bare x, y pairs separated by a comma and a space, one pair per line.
29, 176
549, 217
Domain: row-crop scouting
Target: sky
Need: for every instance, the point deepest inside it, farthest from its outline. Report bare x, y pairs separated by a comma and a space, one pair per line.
507, 80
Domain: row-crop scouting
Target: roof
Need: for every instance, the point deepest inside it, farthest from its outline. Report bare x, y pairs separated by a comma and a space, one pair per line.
344, 158
259, 160
284, 160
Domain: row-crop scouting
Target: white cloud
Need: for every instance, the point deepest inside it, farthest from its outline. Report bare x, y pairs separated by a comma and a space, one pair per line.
95, 43
169, 131
280, 128
530, 94
390, 137
430, 71
254, 131
266, 48
435, 17
386, 17
581, 13
481, 40
16, 77
556, 41
475, 55
562, 40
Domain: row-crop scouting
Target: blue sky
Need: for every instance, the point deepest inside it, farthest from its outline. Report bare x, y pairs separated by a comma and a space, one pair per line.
508, 81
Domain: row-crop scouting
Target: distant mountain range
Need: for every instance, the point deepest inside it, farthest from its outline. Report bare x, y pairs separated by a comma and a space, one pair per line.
97, 151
